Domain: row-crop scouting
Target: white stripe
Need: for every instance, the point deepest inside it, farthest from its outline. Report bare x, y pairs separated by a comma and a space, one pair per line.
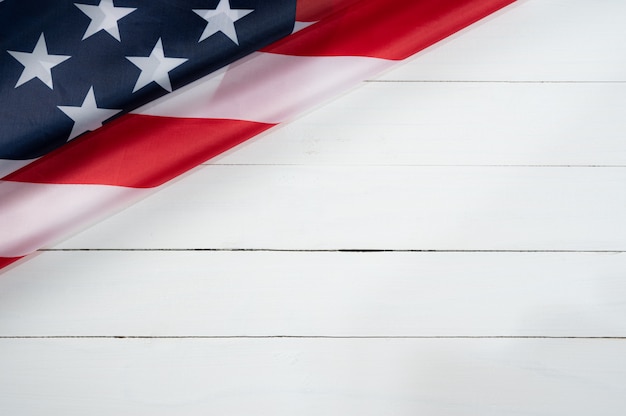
184, 101
35, 215
298, 26
268, 88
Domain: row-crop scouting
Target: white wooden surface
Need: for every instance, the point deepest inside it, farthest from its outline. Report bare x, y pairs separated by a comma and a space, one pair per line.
447, 239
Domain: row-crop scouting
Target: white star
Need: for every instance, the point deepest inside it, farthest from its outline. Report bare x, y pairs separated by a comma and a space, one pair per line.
222, 19
37, 64
88, 116
155, 67
104, 16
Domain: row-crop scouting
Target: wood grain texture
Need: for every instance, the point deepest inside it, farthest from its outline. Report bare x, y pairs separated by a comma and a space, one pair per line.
363, 207
194, 293
312, 377
453, 123
490, 173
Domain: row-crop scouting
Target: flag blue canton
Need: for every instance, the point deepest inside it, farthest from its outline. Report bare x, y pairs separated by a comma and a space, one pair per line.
67, 66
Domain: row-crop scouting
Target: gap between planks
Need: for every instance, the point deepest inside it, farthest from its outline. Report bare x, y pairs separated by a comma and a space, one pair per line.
451, 81
329, 337
356, 250
209, 163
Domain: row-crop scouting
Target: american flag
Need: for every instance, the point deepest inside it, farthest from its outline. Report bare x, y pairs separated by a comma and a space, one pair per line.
68, 66
104, 101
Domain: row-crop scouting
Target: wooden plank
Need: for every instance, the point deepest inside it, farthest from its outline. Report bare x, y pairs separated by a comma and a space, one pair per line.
312, 377
336, 294
360, 207
453, 124
547, 40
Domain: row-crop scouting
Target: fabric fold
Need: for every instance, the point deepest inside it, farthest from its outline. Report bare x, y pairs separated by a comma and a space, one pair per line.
139, 152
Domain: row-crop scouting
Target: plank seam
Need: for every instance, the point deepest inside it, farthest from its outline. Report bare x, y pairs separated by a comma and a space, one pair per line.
443, 81
409, 165
356, 250
365, 337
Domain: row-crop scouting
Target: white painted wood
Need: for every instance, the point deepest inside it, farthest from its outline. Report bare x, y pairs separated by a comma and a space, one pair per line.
357, 207
531, 40
313, 377
337, 294
453, 124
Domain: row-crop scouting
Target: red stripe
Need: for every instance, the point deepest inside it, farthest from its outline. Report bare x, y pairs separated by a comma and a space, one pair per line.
138, 151
5, 261
387, 29
316, 10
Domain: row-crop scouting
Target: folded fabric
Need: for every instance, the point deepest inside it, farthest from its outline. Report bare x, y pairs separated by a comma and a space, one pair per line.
335, 45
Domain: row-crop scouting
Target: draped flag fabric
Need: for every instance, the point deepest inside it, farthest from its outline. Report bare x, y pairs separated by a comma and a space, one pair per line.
104, 101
